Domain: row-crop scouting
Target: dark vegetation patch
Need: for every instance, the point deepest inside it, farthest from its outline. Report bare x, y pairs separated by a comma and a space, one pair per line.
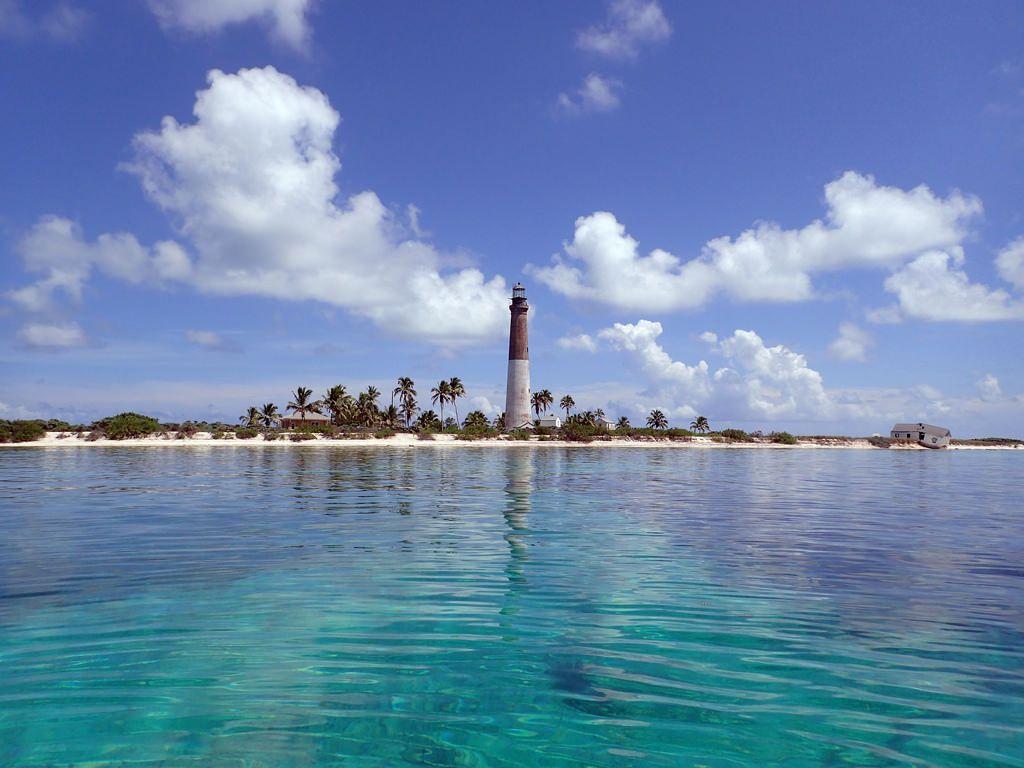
990, 441
125, 426
22, 431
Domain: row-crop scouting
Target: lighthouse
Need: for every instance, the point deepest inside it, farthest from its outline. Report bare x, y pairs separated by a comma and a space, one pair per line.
517, 386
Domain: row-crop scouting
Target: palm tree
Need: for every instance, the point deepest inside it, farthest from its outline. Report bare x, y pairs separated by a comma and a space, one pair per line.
622, 423
535, 402
657, 420
302, 404
336, 402
408, 408
599, 414
389, 417
476, 420
366, 410
269, 414
499, 421
251, 417
567, 404
439, 395
372, 393
455, 391
406, 388
428, 420
700, 424
546, 399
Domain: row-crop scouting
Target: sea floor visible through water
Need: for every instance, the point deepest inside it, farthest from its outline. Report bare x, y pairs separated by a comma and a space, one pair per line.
565, 607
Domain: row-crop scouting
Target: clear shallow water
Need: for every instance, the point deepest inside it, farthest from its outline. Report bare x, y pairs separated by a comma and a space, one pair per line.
503, 607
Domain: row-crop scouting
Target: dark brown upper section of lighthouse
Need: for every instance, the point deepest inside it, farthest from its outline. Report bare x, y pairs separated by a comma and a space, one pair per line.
518, 344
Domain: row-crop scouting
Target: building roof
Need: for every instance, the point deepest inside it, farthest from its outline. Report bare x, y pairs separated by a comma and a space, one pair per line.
928, 429
309, 417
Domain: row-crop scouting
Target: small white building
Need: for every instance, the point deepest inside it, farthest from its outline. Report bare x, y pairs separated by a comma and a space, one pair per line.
605, 423
927, 435
549, 422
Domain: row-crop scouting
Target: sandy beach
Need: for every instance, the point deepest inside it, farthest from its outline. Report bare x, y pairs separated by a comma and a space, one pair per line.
204, 439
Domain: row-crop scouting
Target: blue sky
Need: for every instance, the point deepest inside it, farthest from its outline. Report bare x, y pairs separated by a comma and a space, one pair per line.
207, 204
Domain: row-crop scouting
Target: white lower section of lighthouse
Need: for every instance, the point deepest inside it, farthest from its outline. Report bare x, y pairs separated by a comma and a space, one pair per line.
517, 395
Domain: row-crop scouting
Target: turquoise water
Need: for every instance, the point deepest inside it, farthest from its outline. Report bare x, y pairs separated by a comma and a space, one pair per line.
247, 606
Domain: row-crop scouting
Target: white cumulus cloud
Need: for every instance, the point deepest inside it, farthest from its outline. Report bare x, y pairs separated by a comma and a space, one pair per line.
851, 344
596, 94
988, 388
56, 248
1010, 263
53, 336
267, 222
935, 287
867, 225
629, 26
758, 381
285, 18
581, 341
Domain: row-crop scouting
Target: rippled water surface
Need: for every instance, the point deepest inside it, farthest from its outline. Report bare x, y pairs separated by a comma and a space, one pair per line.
268, 606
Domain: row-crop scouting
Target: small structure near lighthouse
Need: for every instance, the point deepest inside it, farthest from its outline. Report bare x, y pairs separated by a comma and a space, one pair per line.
517, 386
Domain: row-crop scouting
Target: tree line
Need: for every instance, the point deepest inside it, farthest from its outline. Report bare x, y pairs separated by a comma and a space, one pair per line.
364, 410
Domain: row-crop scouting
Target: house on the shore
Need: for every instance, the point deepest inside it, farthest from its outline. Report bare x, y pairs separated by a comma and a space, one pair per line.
927, 435
549, 422
604, 423
311, 420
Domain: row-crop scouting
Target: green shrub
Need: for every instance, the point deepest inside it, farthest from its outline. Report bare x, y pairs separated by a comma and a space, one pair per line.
186, 430
425, 434
316, 428
519, 434
880, 442
736, 435
271, 435
124, 426
22, 431
477, 431
676, 433
246, 433
298, 437
94, 435
384, 433
56, 425
783, 438
578, 432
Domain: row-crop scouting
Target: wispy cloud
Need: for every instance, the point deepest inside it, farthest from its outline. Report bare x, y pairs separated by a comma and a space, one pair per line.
629, 26
53, 336
286, 19
596, 94
581, 341
61, 22
212, 340
851, 344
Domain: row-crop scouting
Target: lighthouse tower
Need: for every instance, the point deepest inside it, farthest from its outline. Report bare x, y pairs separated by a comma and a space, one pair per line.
517, 387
